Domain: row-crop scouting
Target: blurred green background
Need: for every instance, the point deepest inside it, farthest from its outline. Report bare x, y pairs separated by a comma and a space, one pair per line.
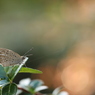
38, 24
56, 29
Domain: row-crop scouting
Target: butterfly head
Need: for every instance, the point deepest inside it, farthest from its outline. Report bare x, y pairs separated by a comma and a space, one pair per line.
24, 59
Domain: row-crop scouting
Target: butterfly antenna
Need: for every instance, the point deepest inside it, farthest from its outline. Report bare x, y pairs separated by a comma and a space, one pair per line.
28, 55
28, 51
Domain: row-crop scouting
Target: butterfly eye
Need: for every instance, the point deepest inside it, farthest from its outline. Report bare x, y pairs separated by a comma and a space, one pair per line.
23, 57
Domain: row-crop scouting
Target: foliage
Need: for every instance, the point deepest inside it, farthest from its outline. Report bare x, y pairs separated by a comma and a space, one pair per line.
7, 74
30, 87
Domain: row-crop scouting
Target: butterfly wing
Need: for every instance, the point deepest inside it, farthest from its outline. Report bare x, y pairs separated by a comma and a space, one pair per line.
9, 57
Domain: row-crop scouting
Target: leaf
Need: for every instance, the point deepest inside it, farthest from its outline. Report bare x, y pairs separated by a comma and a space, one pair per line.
3, 76
63, 93
9, 89
37, 89
12, 71
57, 90
29, 70
36, 83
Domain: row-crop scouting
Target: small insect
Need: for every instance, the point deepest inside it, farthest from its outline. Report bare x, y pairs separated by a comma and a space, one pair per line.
10, 58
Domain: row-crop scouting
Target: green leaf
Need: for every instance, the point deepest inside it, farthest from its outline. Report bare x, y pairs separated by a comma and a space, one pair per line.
2, 72
36, 83
29, 70
3, 76
9, 89
12, 71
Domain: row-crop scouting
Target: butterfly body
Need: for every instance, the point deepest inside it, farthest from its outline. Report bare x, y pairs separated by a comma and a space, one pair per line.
9, 57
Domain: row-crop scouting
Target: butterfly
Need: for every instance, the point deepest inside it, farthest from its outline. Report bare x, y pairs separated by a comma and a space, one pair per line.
11, 58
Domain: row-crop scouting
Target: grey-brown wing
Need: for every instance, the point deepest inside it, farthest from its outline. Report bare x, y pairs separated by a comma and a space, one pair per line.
9, 53
8, 57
